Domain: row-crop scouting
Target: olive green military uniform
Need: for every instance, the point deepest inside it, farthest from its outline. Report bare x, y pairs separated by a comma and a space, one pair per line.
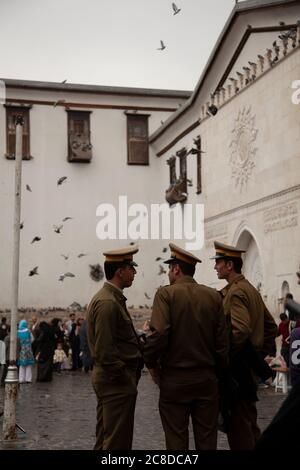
115, 351
250, 324
250, 319
190, 343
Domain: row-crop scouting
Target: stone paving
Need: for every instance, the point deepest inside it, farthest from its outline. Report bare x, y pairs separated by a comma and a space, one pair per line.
61, 414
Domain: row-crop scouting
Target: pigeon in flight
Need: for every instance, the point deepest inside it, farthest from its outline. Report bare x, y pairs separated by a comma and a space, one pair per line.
81, 255
162, 46
65, 256
61, 180
64, 81
175, 9
58, 102
33, 271
75, 305
28, 188
161, 270
67, 218
36, 239
96, 272
58, 228
158, 258
165, 250
68, 274
147, 296
61, 278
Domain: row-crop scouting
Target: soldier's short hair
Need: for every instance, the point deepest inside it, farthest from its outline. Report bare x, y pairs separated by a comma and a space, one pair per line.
237, 263
111, 268
186, 268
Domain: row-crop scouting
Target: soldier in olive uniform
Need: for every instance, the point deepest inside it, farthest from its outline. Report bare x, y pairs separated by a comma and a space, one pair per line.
186, 352
252, 326
115, 351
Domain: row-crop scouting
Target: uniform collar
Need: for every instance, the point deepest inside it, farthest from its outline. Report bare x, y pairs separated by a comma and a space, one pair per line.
118, 292
237, 279
185, 280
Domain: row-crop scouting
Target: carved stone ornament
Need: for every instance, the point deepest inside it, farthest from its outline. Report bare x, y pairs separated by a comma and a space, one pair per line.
242, 148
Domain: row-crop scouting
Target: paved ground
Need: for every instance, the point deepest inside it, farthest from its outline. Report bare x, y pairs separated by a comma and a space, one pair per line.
61, 414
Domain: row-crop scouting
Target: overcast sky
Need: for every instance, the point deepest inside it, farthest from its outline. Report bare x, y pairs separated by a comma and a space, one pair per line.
110, 42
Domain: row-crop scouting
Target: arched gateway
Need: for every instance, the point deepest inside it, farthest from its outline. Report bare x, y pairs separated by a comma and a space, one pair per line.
252, 268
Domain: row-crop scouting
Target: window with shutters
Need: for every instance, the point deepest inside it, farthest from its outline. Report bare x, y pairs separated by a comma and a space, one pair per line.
11, 113
79, 136
137, 139
182, 154
197, 143
172, 167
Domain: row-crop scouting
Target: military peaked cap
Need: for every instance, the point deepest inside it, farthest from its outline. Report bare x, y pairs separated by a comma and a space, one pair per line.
179, 254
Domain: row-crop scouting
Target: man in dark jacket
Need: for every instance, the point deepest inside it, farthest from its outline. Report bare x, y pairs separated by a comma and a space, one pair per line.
186, 353
115, 351
251, 325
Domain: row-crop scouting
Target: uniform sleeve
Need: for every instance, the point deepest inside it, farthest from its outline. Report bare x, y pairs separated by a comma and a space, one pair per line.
106, 352
157, 342
240, 320
270, 333
221, 341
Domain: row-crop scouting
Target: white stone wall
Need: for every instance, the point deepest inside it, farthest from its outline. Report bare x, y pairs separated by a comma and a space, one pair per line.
267, 204
88, 185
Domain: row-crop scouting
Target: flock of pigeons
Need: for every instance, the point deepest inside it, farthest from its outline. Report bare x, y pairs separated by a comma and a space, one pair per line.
176, 10
57, 229
96, 271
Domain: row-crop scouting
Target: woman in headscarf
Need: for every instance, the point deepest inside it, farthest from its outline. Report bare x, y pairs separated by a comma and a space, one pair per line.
45, 346
26, 358
85, 353
74, 340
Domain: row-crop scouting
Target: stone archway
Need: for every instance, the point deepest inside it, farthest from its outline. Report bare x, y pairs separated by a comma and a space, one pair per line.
285, 289
252, 268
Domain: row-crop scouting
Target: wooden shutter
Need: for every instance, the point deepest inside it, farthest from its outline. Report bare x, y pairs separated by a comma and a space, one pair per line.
172, 165
79, 136
199, 170
137, 139
11, 113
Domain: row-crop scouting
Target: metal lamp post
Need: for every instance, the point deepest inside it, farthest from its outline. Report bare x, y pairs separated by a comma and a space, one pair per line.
11, 382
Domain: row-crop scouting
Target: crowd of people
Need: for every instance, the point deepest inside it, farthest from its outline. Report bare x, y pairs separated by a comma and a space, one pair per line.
53, 346
206, 350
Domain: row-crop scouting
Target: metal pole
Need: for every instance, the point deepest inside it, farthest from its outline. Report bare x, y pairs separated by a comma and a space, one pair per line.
11, 382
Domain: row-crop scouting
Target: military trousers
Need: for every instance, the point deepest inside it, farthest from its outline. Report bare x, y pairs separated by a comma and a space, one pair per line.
243, 431
184, 397
115, 411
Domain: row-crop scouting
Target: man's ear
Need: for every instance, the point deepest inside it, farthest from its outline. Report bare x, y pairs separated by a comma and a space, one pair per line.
177, 269
119, 272
230, 265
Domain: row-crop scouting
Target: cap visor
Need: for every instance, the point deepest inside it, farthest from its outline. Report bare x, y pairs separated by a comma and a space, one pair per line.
132, 263
218, 257
169, 261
